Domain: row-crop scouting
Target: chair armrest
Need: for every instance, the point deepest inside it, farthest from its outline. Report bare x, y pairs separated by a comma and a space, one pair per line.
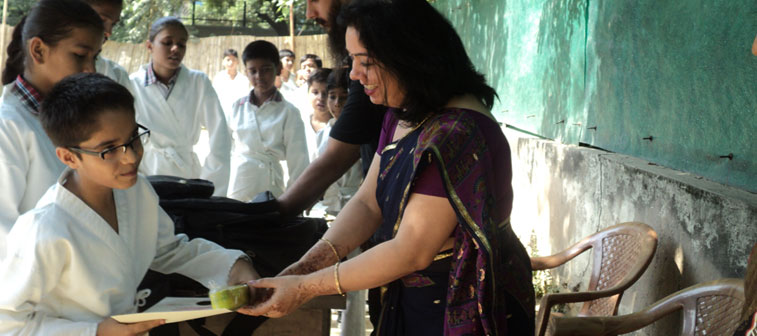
549, 300
557, 259
594, 325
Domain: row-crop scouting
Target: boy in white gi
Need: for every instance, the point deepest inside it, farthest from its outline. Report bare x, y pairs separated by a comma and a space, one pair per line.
266, 129
176, 103
230, 84
79, 255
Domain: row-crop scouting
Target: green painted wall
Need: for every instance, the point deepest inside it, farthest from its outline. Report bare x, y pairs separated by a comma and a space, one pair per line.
679, 71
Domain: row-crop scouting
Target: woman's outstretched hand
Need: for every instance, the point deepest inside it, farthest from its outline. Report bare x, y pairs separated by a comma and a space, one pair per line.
285, 295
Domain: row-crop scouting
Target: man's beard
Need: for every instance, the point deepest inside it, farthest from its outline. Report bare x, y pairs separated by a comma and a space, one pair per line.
335, 32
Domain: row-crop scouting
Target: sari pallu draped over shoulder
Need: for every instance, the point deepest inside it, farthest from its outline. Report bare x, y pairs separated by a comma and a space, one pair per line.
490, 269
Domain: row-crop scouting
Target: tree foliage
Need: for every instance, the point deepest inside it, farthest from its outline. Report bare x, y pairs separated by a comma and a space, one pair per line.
137, 15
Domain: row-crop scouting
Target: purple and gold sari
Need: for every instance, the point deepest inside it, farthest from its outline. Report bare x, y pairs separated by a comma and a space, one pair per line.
483, 285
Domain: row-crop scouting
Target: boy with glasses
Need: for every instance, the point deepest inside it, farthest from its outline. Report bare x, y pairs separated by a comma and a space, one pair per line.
77, 258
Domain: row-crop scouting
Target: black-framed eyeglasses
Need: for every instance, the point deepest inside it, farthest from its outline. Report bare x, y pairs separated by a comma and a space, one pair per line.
114, 153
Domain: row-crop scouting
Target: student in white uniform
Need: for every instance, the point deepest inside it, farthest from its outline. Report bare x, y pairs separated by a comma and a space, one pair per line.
316, 115
230, 84
339, 193
77, 258
110, 13
56, 39
266, 129
287, 81
176, 102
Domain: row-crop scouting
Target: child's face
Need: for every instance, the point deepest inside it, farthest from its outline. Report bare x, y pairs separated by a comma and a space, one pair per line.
262, 73
168, 47
74, 54
317, 94
110, 14
309, 66
116, 130
287, 62
230, 62
337, 97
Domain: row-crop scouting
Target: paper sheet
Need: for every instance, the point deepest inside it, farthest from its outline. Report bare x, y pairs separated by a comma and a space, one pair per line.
174, 309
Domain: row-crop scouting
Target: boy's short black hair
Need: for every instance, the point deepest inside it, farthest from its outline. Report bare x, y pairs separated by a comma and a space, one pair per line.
230, 52
261, 49
69, 112
316, 59
286, 53
321, 76
338, 79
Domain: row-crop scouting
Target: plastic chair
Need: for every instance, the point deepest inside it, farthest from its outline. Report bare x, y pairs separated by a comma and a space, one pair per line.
621, 253
711, 308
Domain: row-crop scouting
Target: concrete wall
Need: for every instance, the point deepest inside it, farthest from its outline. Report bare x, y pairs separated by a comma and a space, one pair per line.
611, 73
565, 192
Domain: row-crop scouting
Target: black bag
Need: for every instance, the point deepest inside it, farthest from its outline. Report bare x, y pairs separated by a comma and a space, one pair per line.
272, 243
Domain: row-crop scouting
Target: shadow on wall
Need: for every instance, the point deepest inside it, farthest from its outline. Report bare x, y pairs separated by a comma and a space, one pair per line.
561, 43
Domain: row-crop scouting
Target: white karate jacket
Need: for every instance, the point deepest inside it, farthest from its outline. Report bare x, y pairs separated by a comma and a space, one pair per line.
28, 165
176, 123
230, 90
114, 71
67, 269
263, 136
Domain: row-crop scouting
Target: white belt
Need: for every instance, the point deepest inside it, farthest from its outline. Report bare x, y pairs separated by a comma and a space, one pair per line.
262, 158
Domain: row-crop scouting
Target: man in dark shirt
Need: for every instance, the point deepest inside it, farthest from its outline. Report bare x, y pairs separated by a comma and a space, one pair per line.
354, 135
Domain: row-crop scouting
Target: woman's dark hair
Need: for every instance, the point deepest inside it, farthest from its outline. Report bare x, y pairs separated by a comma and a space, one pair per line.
163, 23
419, 47
119, 3
230, 52
316, 59
51, 21
319, 76
69, 112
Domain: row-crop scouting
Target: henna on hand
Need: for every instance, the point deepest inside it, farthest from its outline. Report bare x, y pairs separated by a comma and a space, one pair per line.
318, 257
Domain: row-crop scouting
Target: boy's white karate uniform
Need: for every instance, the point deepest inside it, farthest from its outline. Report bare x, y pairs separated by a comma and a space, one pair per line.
230, 90
263, 136
28, 165
175, 125
114, 71
67, 269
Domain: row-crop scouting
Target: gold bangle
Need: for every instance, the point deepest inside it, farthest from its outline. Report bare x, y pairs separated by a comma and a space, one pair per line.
332, 248
336, 279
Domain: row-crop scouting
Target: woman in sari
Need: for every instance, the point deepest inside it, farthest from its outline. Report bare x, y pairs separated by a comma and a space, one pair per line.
437, 197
